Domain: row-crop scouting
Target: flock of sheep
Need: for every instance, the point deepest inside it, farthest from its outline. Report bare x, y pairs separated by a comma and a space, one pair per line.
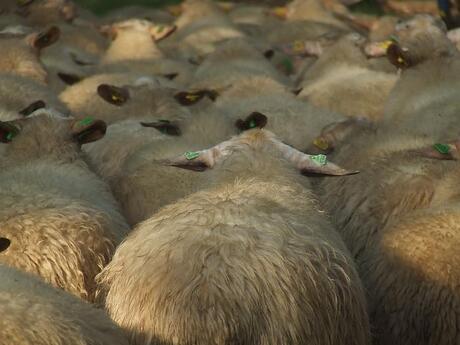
223, 174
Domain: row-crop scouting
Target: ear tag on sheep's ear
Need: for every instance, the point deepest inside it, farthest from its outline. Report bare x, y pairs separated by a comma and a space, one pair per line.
8, 132
191, 97
298, 47
319, 159
321, 143
386, 44
191, 155
85, 122
442, 148
287, 65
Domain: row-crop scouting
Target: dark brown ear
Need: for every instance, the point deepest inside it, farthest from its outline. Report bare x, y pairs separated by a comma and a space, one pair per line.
46, 38
88, 130
69, 79
108, 31
191, 98
269, 54
113, 94
442, 151
32, 107
254, 120
7, 132
4, 244
398, 56
297, 91
164, 126
170, 76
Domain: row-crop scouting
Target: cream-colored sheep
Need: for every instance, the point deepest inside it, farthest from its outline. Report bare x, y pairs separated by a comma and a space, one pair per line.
21, 53
294, 121
312, 10
21, 96
232, 62
426, 99
249, 260
341, 80
399, 173
113, 97
34, 313
45, 12
61, 220
133, 39
201, 26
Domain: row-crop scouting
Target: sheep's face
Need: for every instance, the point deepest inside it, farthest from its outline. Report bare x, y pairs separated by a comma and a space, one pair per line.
255, 141
44, 134
47, 11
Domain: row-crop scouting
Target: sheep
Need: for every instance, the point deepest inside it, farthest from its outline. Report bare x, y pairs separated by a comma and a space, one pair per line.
412, 276
253, 260
312, 10
133, 40
34, 313
201, 26
60, 219
115, 97
294, 121
233, 61
43, 12
20, 55
20, 96
432, 64
340, 80
127, 158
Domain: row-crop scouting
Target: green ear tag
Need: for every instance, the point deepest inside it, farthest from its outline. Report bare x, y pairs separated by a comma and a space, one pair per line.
319, 159
287, 63
10, 136
394, 38
86, 121
442, 148
252, 124
190, 155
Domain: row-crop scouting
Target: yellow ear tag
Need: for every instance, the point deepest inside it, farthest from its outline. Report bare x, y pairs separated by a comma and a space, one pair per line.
115, 98
321, 143
400, 60
385, 44
192, 97
280, 11
298, 47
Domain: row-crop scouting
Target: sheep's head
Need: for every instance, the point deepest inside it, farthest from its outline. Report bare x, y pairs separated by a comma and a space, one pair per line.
146, 98
257, 140
22, 50
42, 12
44, 133
158, 32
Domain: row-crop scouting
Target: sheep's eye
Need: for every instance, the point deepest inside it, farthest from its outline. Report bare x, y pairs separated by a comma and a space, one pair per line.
32, 107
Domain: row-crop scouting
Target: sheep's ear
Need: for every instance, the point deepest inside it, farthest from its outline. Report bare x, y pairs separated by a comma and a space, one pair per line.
113, 94
160, 32
191, 160
170, 76
269, 54
45, 38
442, 151
32, 107
336, 132
254, 120
68, 78
191, 98
398, 56
280, 12
8, 131
4, 244
297, 92
164, 126
88, 130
